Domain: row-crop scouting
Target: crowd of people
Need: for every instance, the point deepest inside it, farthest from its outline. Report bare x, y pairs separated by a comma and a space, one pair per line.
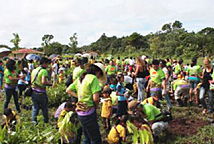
126, 94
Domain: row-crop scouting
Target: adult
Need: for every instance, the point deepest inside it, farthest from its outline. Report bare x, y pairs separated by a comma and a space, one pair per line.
140, 73
79, 69
87, 90
55, 68
167, 76
11, 79
1, 74
39, 80
205, 88
153, 115
110, 70
157, 82
194, 72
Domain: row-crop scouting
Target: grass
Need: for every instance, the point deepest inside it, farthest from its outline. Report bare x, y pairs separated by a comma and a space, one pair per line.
204, 135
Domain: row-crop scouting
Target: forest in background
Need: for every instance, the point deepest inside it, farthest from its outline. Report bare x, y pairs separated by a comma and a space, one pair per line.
172, 41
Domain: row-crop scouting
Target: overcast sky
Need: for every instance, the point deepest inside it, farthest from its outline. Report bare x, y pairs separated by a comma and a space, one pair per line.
31, 19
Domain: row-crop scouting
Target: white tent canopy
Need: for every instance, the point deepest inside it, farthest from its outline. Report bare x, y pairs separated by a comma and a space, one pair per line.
4, 50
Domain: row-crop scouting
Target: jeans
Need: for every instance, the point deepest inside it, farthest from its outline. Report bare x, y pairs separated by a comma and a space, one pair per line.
40, 101
9, 93
202, 98
90, 129
140, 87
169, 104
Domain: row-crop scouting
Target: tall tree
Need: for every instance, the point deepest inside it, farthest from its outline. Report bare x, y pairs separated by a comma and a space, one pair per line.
46, 43
73, 43
16, 41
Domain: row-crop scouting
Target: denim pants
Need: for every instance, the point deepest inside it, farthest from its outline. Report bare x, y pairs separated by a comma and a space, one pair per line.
40, 101
90, 129
203, 91
140, 88
9, 93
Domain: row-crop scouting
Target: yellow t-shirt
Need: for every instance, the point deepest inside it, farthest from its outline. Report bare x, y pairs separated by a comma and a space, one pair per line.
106, 108
149, 100
114, 136
61, 77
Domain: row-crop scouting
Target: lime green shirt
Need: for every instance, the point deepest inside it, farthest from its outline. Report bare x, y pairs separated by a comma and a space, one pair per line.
212, 75
151, 112
78, 71
38, 80
168, 64
178, 82
111, 70
157, 76
8, 73
177, 69
86, 89
195, 70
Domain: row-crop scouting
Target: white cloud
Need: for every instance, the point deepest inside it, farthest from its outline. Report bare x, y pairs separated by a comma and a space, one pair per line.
31, 19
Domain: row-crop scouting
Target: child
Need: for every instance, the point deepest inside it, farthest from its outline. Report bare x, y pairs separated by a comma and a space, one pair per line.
69, 126
117, 133
122, 100
151, 100
114, 97
142, 130
10, 119
61, 75
106, 108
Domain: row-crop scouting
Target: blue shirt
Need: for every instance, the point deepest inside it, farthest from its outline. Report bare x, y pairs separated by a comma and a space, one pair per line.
1, 70
121, 90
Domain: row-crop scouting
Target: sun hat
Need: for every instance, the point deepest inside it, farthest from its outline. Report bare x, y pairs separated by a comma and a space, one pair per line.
132, 105
103, 79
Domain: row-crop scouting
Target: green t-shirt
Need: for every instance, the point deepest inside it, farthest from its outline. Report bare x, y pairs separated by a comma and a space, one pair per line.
177, 69
168, 64
195, 70
78, 71
8, 73
151, 112
157, 76
86, 89
38, 80
111, 70
212, 75
177, 83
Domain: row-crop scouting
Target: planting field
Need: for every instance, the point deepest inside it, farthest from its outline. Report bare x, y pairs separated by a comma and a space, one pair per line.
188, 126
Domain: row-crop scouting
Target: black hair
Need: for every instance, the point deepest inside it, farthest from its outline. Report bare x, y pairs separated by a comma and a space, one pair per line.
44, 60
92, 69
31, 61
113, 80
68, 105
84, 60
180, 61
7, 112
1, 61
155, 62
119, 76
163, 63
10, 65
118, 57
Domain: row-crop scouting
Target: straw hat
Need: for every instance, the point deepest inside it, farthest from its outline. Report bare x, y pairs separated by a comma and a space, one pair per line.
132, 105
103, 79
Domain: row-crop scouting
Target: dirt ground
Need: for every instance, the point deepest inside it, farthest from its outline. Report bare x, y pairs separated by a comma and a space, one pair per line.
185, 126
